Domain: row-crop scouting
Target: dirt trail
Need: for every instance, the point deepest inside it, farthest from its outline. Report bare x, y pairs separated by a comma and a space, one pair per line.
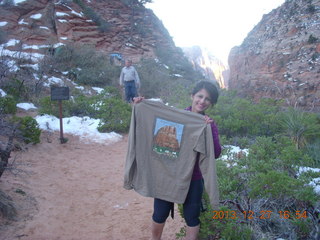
74, 191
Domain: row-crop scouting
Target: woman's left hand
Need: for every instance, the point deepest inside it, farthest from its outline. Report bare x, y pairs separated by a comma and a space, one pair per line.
207, 119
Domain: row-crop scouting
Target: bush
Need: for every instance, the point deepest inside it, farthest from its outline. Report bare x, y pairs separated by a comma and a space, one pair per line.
311, 9
157, 82
29, 129
3, 37
85, 65
8, 3
313, 150
242, 118
266, 180
115, 116
46, 106
8, 105
153, 78
301, 127
312, 39
103, 25
16, 88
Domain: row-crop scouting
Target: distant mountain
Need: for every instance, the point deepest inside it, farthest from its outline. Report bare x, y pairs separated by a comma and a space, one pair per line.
211, 67
280, 57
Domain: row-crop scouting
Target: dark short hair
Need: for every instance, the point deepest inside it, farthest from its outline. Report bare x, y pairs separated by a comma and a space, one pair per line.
210, 87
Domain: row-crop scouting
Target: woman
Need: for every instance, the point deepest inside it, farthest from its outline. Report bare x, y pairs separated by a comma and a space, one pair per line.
204, 95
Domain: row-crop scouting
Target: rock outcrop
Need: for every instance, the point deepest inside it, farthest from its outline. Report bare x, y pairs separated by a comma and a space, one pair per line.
167, 137
111, 26
280, 57
204, 62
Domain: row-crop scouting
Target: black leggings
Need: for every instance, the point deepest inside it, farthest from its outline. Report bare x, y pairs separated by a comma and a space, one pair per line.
191, 206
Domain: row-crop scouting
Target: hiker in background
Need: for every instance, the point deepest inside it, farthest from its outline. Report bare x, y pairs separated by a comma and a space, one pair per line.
129, 79
204, 95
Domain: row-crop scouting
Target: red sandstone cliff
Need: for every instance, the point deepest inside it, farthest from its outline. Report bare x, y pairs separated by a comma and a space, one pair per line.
280, 57
134, 32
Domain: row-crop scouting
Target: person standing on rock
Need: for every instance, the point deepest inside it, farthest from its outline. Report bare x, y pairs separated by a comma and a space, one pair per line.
204, 95
129, 79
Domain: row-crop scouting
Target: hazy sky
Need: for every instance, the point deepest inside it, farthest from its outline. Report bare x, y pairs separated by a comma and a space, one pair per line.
217, 25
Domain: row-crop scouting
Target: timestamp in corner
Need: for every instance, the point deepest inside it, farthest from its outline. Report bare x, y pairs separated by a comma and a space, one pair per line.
263, 214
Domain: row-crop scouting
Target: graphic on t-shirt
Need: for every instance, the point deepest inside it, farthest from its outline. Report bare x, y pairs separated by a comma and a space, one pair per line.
167, 137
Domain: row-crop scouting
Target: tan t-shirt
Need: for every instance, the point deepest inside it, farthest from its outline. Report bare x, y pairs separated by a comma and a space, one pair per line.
162, 148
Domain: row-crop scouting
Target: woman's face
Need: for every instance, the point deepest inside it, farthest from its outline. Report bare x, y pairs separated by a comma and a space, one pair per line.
200, 101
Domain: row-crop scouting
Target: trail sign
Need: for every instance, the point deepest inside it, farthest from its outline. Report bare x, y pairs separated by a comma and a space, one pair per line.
59, 94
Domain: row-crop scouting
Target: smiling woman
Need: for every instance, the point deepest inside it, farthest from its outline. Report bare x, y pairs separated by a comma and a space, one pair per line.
215, 25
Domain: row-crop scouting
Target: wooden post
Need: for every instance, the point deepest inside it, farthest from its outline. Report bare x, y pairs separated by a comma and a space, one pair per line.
60, 93
61, 123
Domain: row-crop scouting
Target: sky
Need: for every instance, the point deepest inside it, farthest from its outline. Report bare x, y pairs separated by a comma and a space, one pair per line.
217, 25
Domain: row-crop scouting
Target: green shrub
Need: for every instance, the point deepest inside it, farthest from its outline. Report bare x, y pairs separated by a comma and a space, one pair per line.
16, 88
311, 9
29, 129
312, 39
46, 106
214, 227
102, 24
8, 3
3, 37
115, 116
313, 150
267, 179
85, 65
275, 184
303, 227
109, 92
300, 126
242, 118
8, 105
82, 106
153, 78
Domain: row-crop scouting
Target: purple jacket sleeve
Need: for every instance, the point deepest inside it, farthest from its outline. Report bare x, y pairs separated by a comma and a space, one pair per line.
215, 135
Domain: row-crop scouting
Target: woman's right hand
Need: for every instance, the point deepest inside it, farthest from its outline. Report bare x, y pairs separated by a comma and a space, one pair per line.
137, 100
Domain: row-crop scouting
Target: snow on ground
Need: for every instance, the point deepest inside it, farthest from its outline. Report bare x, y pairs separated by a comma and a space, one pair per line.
26, 106
233, 151
22, 22
44, 27
61, 14
315, 183
53, 80
35, 57
97, 89
2, 93
36, 16
84, 127
19, 1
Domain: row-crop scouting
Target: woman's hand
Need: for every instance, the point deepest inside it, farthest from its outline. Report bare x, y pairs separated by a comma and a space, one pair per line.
207, 119
137, 99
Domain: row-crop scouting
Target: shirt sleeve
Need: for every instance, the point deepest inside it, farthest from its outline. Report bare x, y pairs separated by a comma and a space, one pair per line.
121, 78
137, 78
130, 163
